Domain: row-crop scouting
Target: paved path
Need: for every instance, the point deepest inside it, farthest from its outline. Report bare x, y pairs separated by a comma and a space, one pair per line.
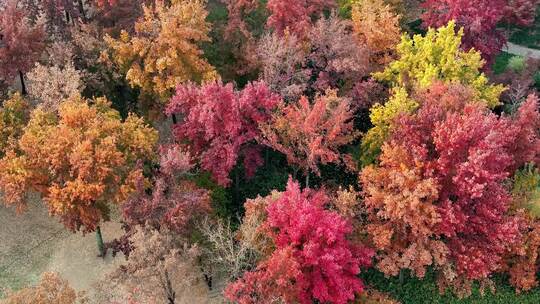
522, 51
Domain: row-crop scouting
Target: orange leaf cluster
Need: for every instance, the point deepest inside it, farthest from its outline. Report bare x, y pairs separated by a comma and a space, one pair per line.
400, 201
79, 160
164, 50
51, 290
377, 26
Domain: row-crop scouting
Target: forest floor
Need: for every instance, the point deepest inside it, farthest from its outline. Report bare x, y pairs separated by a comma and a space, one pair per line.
33, 242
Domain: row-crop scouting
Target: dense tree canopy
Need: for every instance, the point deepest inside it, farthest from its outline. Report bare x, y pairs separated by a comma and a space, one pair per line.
312, 261
416, 144
451, 158
311, 134
164, 52
222, 124
479, 20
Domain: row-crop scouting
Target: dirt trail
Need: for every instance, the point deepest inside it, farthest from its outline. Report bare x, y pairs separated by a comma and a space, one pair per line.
34, 242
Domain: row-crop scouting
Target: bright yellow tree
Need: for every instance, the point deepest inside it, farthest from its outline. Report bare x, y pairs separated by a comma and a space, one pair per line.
422, 61
80, 160
437, 56
164, 50
382, 117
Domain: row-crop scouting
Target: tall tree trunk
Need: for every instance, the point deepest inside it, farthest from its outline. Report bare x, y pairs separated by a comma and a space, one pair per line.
236, 185
81, 10
174, 120
171, 295
100, 244
23, 85
208, 280
307, 179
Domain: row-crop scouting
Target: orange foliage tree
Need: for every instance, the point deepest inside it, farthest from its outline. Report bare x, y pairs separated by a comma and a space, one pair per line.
51, 290
164, 50
377, 26
79, 160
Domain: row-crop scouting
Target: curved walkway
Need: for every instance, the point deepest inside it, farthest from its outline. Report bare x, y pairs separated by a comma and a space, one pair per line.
522, 51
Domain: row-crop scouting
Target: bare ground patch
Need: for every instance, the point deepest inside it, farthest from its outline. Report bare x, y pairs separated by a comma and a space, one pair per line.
33, 242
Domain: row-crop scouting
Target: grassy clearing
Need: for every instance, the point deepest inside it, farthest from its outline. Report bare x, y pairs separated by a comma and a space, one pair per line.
415, 291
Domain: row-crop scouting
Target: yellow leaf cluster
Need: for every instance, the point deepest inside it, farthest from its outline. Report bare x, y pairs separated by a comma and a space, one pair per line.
164, 50
376, 26
526, 190
437, 56
14, 115
80, 160
382, 117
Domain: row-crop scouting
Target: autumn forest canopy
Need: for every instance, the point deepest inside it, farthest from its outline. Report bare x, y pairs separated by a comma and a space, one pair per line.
278, 151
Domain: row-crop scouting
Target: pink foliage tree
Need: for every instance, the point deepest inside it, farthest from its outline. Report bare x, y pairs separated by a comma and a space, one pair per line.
328, 57
296, 16
171, 202
479, 20
313, 259
174, 201
221, 124
20, 42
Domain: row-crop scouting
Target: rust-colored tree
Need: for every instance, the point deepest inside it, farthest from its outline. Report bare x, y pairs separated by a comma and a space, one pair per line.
51, 289
376, 26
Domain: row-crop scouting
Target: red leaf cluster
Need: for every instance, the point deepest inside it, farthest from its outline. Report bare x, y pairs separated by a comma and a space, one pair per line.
479, 20
462, 154
221, 124
296, 16
313, 259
